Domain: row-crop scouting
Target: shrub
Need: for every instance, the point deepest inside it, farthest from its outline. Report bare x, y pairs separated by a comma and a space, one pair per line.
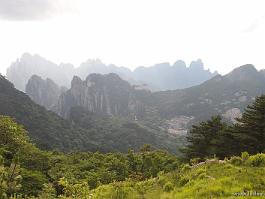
228, 166
120, 192
32, 182
185, 168
244, 156
202, 176
235, 160
194, 161
183, 181
162, 179
168, 187
257, 160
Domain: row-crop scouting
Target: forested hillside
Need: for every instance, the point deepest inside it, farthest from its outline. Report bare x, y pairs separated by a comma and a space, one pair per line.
169, 114
221, 161
46, 128
91, 133
27, 170
113, 115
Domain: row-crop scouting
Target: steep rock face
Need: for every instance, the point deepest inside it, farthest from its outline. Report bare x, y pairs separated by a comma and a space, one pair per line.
106, 94
43, 92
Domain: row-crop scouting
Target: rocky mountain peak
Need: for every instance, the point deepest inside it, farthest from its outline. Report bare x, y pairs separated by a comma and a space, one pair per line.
197, 65
244, 72
245, 69
22, 70
180, 65
158, 77
26, 56
77, 81
106, 94
43, 92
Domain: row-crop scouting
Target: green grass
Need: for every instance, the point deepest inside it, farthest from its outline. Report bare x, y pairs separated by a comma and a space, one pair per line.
210, 180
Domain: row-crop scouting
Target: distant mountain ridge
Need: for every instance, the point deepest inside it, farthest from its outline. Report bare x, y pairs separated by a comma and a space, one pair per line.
158, 77
224, 95
83, 130
44, 92
111, 114
173, 111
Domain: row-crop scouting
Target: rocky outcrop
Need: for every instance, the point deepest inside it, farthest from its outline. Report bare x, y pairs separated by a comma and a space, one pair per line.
43, 92
232, 114
178, 125
104, 94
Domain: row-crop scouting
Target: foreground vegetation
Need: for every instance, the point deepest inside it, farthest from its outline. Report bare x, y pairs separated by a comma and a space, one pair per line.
28, 172
210, 179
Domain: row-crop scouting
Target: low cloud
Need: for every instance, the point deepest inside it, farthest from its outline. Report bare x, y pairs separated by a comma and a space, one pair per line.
24, 10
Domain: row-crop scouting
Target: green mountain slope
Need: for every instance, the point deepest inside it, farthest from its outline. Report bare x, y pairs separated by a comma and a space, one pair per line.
90, 133
121, 134
233, 178
225, 95
45, 128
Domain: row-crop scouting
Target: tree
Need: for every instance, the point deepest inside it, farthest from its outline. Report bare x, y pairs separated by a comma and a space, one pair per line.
13, 136
3, 178
10, 178
206, 139
250, 130
25, 165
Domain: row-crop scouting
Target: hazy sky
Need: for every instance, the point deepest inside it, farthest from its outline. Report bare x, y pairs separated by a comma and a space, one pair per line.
223, 33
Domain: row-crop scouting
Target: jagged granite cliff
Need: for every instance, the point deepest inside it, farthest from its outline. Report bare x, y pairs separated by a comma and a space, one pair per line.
104, 94
161, 76
43, 92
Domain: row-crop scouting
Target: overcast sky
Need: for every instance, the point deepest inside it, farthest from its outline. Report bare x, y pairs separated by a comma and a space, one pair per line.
223, 33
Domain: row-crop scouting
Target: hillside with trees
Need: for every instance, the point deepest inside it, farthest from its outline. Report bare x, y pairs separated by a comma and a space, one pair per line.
215, 165
50, 131
169, 114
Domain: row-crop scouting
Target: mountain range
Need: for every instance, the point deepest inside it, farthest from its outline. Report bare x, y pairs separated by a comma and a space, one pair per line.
173, 111
159, 77
105, 112
82, 130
